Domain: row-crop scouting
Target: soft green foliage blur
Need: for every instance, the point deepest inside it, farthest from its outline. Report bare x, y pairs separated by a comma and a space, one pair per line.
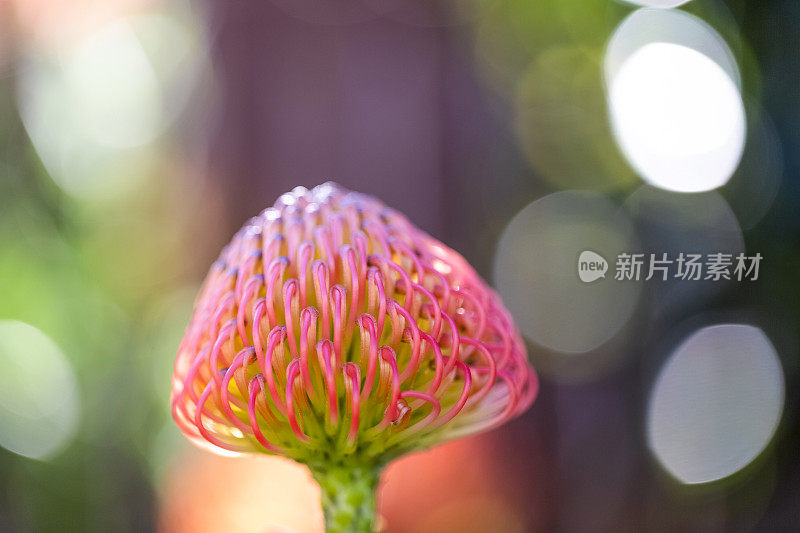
110, 279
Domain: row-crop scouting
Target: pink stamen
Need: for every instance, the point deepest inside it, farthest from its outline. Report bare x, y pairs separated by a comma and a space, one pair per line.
292, 372
325, 354
352, 372
257, 386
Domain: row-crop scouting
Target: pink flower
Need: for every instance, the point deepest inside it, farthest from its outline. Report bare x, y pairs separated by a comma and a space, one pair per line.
332, 330
331, 323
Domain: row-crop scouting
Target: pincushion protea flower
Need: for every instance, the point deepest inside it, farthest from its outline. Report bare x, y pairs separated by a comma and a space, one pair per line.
334, 332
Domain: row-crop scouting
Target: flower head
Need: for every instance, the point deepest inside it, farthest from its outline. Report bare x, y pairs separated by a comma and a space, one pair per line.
331, 327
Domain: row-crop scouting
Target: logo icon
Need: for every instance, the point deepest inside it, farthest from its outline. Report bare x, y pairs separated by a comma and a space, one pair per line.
591, 266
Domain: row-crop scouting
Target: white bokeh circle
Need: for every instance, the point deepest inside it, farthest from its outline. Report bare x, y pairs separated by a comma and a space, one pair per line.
716, 403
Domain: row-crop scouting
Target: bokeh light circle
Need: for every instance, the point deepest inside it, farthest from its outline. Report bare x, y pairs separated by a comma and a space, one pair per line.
716, 403
674, 101
39, 401
646, 26
114, 88
535, 271
95, 106
662, 4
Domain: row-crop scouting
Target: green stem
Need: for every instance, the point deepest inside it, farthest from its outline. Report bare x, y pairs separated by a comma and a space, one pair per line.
348, 496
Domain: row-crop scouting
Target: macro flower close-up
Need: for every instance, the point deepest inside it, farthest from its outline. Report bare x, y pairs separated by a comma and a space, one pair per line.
399, 266
334, 332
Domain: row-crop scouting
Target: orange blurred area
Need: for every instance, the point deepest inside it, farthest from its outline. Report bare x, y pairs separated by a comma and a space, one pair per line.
205, 492
461, 486
456, 487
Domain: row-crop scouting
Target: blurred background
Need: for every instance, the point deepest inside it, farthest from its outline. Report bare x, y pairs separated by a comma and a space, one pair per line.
137, 135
